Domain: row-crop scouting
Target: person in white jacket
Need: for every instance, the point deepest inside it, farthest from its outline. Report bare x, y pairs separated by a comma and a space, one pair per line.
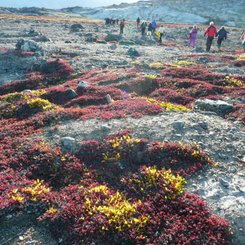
160, 30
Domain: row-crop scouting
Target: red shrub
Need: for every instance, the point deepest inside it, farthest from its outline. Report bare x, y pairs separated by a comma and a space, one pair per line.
172, 96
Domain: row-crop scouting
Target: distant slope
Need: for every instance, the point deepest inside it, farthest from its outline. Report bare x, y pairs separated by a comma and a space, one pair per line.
223, 12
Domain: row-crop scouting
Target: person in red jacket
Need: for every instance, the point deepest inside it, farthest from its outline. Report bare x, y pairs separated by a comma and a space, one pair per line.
210, 33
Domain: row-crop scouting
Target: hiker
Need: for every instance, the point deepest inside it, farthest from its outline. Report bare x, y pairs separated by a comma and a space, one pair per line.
154, 26
222, 35
211, 33
243, 40
138, 22
193, 37
107, 20
143, 28
117, 21
122, 25
149, 30
160, 30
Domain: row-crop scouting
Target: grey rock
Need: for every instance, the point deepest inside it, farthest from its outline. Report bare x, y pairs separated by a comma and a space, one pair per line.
218, 106
178, 125
68, 144
71, 94
41, 38
33, 242
108, 99
27, 91
203, 125
76, 27
113, 37
133, 52
83, 85
113, 46
223, 182
28, 45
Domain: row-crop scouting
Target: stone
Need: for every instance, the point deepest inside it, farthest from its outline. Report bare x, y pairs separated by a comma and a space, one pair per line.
68, 144
223, 182
82, 85
220, 107
21, 238
76, 27
90, 37
108, 99
27, 91
203, 125
33, 33
126, 43
113, 37
41, 38
27, 45
113, 46
33, 242
71, 94
203, 60
178, 125
133, 52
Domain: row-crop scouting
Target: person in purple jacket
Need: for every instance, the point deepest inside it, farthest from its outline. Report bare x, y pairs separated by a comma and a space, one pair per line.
193, 37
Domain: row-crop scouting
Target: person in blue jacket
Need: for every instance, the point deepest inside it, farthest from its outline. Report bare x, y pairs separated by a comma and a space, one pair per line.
154, 26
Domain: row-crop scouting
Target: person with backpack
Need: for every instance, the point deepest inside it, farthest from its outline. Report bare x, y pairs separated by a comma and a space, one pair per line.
138, 22
222, 35
154, 26
149, 31
122, 25
193, 37
143, 28
210, 33
160, 30
243, 40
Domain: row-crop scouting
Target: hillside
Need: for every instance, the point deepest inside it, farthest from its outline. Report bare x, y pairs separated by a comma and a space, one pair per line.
116, 139
177, 11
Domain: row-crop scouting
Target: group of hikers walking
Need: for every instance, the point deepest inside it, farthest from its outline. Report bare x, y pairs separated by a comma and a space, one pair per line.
151, 28
210, 33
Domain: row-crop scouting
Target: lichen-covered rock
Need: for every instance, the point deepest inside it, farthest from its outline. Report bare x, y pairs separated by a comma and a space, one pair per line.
28, 45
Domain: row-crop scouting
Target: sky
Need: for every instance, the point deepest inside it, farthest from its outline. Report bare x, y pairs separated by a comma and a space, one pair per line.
60, 3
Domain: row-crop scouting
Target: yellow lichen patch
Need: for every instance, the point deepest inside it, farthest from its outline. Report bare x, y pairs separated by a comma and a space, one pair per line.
168, 106
36, 189
17, 196
182, 63
13, 97
234, 82
153, 177
156, 65
37, 93
118, 144
40, 104
151, 76
52, 210
100, 188
120, 212
241, 57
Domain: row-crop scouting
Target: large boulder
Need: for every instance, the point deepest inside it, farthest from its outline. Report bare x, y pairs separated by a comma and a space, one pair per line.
28, 45
218, 106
